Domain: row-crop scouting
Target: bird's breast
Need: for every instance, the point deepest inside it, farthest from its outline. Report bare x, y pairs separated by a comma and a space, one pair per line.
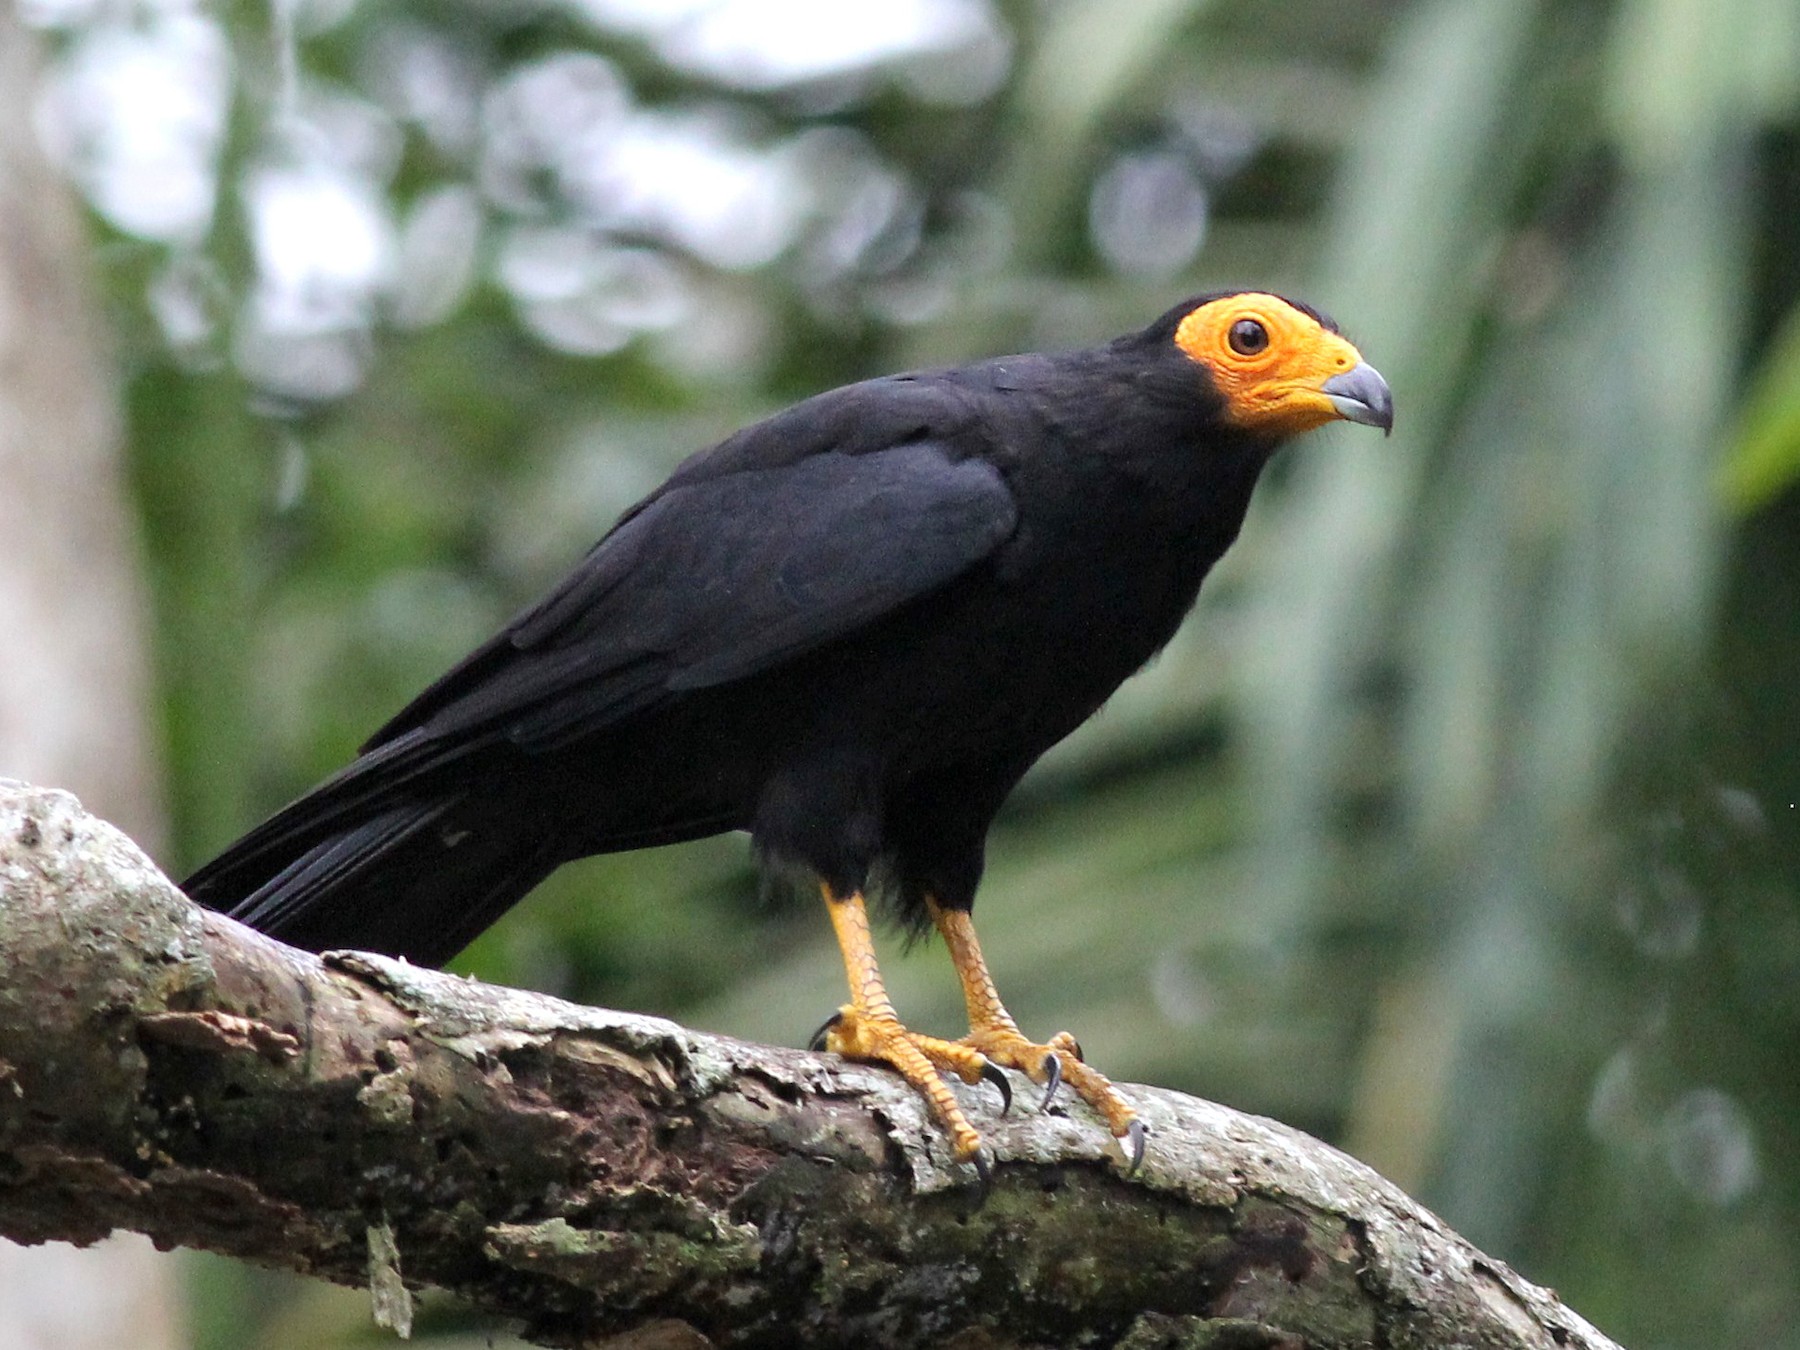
1019, 652
1004, 661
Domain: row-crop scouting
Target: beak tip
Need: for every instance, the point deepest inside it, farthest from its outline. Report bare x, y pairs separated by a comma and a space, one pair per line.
1361, 395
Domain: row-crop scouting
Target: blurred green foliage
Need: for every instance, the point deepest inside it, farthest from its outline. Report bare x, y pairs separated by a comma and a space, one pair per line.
1765, 453
1458, 827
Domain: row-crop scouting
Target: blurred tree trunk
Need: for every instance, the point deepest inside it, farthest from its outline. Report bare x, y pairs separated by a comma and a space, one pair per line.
73, 668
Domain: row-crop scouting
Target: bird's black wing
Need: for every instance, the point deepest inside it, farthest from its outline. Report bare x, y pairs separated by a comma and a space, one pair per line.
714, 580
711, 580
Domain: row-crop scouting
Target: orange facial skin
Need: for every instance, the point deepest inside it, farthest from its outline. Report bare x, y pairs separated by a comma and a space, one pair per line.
1272, 363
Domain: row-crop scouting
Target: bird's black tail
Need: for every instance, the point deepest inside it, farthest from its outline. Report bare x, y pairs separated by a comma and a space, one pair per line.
382, 858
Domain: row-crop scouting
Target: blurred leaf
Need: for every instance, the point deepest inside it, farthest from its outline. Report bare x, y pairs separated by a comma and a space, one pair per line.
1763, 456
1678, 70
1440, 130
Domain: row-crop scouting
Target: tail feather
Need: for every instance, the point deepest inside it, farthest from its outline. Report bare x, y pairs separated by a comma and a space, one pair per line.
384, 858
421, 842
284, 900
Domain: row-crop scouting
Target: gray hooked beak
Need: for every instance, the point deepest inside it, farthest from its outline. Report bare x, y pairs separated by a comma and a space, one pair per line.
1361, 395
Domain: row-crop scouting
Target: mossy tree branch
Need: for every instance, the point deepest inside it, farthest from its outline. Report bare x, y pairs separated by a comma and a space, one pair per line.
599, 1174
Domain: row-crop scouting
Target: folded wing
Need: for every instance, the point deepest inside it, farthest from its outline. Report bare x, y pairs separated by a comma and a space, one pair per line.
718, 580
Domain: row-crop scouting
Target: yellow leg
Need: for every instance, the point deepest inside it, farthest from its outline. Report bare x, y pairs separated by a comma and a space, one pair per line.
867, 1028
993, 1032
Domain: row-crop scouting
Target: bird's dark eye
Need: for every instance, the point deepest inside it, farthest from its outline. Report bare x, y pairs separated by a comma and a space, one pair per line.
1247, 337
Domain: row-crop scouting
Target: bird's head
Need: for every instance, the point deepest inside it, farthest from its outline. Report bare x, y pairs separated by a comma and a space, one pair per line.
1278, 367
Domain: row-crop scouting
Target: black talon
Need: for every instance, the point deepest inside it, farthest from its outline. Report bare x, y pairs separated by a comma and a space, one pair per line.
984, 1180
1134, 1146
1055, 1063
993, 1073
818, 1037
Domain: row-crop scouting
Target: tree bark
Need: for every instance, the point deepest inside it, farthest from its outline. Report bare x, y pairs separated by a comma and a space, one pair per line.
601, 1175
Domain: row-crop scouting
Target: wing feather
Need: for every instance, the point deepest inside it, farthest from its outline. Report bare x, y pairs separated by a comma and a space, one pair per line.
719, 579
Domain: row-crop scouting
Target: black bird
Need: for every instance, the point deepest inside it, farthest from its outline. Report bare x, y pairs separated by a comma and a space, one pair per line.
848, 629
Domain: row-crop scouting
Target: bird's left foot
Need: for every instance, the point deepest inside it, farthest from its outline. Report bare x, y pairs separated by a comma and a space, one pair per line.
993, 1032
1054, 1063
